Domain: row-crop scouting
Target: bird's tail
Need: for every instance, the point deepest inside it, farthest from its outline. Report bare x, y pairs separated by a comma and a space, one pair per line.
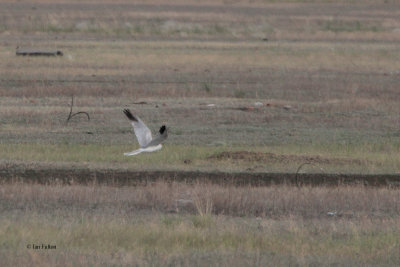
134, 152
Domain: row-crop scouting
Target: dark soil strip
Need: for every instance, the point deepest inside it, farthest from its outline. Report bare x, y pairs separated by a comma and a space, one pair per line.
125, 178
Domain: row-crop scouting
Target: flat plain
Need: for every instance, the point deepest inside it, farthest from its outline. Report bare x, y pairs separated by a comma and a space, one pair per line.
246, 87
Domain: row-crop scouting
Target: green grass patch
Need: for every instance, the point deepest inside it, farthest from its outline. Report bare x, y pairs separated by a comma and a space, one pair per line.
349, 26
325, 158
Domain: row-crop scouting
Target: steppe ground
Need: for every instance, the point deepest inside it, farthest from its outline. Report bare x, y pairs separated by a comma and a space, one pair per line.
244, 86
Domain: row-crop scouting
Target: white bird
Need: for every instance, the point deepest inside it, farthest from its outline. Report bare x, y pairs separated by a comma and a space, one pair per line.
143, 134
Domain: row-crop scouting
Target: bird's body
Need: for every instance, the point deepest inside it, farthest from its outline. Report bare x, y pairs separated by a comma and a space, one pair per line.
143, 134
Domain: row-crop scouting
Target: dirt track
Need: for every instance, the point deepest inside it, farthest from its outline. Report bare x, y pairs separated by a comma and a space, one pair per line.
125, 178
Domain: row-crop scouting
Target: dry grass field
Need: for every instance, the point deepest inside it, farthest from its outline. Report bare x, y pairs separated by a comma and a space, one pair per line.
201, 225
247, 87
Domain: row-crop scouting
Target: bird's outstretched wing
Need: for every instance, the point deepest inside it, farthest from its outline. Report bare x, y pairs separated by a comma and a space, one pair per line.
142, 132
161, 137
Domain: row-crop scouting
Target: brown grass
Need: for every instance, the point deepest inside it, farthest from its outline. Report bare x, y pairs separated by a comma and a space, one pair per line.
165, 223
269, 202
181, 19
337, 70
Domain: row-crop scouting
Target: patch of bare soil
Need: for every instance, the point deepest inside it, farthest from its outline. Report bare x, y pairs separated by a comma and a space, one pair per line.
275, 158
134, 178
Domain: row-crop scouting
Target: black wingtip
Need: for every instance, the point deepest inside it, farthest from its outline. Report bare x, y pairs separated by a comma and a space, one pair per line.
163, 129
128, 113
